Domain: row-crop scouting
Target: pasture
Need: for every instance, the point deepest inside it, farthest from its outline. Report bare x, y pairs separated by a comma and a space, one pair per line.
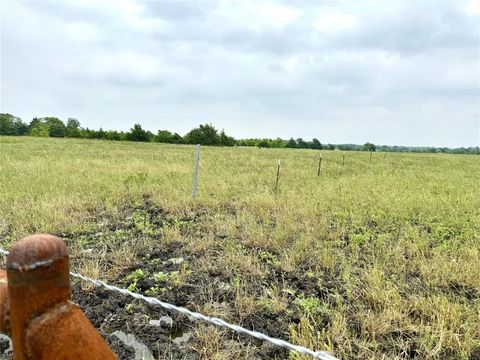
370, 260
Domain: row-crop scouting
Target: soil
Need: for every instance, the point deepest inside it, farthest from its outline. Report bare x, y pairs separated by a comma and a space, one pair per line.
110, 312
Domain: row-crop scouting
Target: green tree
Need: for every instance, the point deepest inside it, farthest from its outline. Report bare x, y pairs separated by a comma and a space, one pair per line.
113, 135
315, 144
99, 134
291, 143
19, 127
177, 139
6, 121
248, 142
226, 140
264, 143
12, 125
40, 130
35, 121
73, 128
163, 136
138, 134
204, 135
369, 147
56, 127
301, 143
85, 133
277, 143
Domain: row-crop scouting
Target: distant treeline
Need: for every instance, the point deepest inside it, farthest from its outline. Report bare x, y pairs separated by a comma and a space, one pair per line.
204, 134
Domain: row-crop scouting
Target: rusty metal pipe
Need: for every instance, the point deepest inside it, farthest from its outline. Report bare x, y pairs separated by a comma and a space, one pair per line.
4, 304
35, 309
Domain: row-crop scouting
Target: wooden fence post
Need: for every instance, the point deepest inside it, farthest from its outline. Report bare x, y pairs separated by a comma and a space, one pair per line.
319, 164
278, 175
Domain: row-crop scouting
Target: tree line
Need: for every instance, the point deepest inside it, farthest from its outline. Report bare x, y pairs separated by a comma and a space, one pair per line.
205, 134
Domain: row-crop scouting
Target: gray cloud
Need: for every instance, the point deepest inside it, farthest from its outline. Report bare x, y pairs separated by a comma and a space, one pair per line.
395, 73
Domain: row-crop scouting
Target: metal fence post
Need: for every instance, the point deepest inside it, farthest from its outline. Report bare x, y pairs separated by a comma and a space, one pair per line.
195, 176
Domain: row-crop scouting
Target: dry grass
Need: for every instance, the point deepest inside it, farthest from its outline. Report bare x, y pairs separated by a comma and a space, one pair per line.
373, 260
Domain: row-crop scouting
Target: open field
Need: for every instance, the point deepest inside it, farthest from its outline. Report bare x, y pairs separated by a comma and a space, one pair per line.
372, 260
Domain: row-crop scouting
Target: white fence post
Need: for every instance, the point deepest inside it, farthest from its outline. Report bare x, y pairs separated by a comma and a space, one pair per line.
195, 177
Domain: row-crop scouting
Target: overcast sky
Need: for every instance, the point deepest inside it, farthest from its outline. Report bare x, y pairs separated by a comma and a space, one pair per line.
404, 73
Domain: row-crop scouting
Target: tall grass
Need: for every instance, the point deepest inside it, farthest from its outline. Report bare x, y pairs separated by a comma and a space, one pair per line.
399, 237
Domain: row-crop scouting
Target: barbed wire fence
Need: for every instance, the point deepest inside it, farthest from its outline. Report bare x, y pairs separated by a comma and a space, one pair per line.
323, 355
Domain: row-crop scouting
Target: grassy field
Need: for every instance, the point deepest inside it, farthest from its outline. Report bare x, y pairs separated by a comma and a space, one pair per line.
370, 260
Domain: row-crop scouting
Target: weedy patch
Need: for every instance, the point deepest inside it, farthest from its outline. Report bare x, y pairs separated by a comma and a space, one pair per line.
133, 279
136, 179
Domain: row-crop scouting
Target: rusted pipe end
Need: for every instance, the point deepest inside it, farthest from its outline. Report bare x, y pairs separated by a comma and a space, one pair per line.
77, 338
38, 278
4, 304
38, 267
36, 251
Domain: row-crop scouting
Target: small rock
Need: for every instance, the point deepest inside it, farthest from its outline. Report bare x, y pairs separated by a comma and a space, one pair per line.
165, 320
224, 286
176, 261
180, 340
6, 347
141, 351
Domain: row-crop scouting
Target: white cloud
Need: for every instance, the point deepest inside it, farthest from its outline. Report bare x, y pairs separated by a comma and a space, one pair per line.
138, 66
254, 15
473, 7
335, 22
277, 15
82, 32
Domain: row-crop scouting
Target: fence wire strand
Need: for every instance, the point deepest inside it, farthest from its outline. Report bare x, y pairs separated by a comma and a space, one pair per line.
198, 316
